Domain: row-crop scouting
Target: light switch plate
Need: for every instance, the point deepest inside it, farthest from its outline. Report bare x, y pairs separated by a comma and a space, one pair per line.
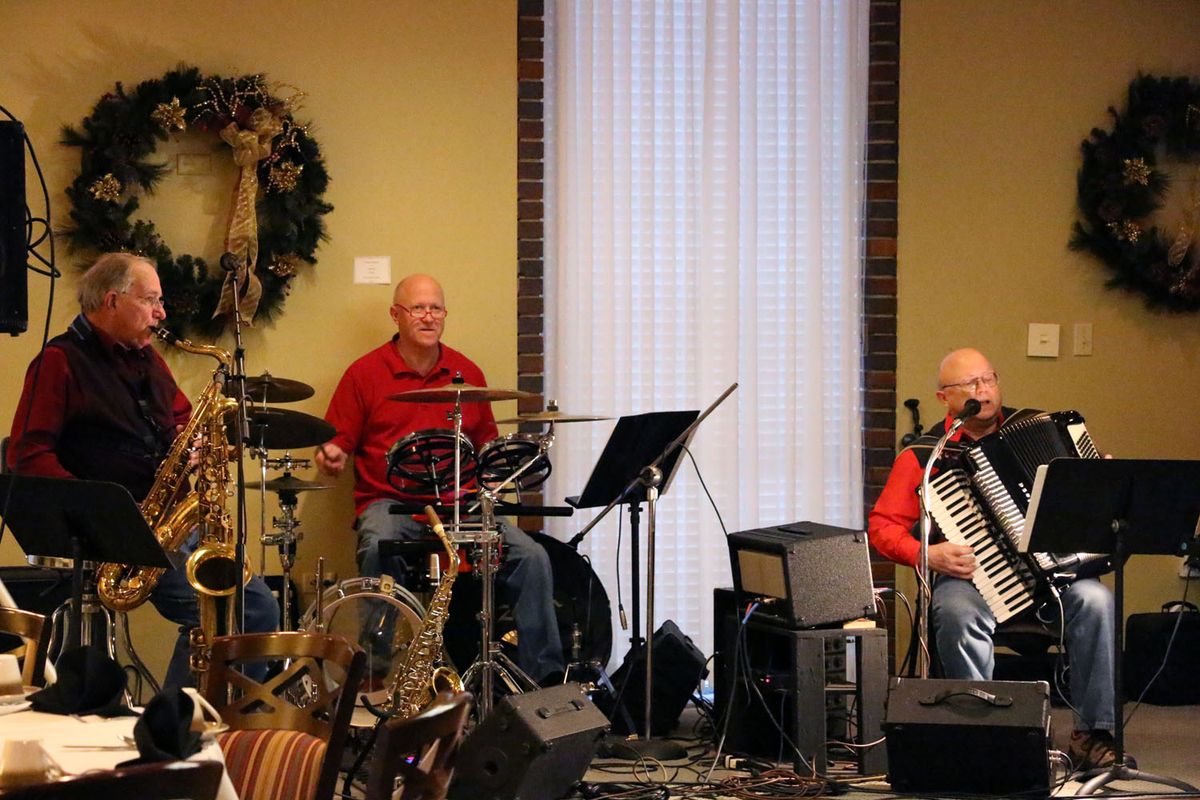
1082, 339
1043, 339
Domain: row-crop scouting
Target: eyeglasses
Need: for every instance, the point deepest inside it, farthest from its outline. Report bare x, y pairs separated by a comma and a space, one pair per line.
988, 379
419, 312
149, 301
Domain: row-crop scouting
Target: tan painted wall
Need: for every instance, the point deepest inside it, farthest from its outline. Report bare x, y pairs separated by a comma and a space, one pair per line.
413, 105
995, 98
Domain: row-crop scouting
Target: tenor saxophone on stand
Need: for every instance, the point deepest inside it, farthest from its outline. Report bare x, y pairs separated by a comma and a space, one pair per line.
173, 509
418, 677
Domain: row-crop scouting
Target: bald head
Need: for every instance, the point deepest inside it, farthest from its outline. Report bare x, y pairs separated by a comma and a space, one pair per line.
419, 311
417, 285
966, 374
961, 364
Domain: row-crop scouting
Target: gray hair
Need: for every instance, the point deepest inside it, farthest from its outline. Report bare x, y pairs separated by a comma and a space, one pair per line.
112, 272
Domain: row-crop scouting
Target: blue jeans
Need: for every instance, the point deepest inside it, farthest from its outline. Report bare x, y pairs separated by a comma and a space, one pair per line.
175, 599
963, 625
526, 574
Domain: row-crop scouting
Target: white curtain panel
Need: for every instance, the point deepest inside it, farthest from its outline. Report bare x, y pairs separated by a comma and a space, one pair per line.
704, 200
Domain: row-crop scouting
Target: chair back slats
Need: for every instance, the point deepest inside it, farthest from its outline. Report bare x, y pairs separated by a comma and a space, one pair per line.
310, 688
422, 751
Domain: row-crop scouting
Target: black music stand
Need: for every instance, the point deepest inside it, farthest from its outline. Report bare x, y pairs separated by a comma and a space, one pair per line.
1122, 507
83, 521
635, 442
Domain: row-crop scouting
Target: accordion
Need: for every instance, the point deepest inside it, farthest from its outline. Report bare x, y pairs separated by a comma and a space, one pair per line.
982, 497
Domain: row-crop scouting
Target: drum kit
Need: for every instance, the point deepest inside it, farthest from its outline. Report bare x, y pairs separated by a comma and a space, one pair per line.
425, 466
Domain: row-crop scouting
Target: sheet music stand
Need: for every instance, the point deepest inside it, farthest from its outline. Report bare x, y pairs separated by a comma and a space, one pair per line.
1123, 507
83, 521
635, 442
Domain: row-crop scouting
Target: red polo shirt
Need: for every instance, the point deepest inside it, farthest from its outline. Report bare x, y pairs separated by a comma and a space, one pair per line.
368, 423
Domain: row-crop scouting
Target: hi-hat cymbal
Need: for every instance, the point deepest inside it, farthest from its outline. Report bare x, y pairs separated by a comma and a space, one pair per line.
549, 416
281, 429
465, 392
288, 484
266, 388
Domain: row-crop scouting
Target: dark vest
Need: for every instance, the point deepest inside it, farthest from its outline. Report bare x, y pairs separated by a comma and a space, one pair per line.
120, 424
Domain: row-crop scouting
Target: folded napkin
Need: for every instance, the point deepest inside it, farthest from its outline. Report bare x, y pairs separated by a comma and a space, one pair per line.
164, 733
89, 682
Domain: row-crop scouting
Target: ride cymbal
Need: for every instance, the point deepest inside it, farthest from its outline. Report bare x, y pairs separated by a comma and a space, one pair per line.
550, 416
281, 429
464, 392
288, 484
266, 388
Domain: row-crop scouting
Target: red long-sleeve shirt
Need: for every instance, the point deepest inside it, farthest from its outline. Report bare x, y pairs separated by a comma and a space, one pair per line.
890, 523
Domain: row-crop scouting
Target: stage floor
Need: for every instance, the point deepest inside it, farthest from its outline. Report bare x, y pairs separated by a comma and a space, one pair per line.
1163, 739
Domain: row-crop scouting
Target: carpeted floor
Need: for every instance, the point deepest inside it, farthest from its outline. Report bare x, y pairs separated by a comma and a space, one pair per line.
1164, 740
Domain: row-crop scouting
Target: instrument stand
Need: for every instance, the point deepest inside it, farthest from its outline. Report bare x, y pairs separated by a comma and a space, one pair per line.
492, 661
1123, 507
630, 445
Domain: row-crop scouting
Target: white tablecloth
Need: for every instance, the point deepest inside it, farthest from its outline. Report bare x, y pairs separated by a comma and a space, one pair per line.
89, 743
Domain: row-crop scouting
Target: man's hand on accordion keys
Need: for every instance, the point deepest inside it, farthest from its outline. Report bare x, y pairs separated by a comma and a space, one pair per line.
955, 560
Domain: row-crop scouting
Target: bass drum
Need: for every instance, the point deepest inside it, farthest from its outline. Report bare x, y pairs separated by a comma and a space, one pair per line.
382, 617
580, 603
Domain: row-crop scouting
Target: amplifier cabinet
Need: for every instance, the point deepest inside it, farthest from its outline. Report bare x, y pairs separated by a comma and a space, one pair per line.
976, 737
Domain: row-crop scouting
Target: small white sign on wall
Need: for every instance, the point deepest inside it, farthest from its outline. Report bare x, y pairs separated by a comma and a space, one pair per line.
373, 269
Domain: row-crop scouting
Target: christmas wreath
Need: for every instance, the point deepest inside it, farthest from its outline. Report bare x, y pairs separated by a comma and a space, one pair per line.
275, 220
1122, 184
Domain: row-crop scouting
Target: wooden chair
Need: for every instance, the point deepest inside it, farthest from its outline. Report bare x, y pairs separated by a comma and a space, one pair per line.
170, 780
35, 631
288, 731
422, 750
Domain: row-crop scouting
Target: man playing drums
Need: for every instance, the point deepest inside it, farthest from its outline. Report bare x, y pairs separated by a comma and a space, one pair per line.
368, 423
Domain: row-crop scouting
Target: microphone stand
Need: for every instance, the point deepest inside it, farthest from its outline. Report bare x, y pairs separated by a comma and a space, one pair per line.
650, 477
925, 589
238, 378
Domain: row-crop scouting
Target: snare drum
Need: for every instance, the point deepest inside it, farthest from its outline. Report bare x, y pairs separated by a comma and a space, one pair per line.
420, 466
379, 615
500, 459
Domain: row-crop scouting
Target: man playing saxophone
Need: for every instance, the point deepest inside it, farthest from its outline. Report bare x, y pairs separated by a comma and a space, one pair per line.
99, 403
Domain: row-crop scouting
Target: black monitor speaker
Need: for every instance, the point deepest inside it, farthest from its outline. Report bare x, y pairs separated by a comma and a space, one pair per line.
14, 288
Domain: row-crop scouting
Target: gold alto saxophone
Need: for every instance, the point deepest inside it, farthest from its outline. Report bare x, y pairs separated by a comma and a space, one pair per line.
419, 678
173, 511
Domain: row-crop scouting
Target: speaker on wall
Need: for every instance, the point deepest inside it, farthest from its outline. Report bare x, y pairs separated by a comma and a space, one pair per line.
14, 287
970, 737
533, 746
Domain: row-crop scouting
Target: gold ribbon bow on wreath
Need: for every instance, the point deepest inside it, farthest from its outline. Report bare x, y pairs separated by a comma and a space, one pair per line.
250, 145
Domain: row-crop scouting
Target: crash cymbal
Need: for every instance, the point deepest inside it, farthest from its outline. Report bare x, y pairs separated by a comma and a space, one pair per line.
465, 391
281, 429
549, 416
266, 388
288, 484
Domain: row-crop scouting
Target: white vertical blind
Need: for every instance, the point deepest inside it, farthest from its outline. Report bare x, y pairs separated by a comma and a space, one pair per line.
704, 204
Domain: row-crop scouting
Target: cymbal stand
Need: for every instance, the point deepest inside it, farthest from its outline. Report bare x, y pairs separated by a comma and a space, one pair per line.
492, 660
288, 535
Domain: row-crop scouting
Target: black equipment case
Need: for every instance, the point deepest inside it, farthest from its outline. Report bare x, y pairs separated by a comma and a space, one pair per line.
1146, 639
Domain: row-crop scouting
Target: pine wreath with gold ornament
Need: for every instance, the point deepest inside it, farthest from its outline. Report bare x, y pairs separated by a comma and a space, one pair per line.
1123, 184
276, 223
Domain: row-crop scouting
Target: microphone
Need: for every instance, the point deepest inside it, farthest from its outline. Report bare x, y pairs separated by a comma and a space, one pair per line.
229, 262
970, 409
